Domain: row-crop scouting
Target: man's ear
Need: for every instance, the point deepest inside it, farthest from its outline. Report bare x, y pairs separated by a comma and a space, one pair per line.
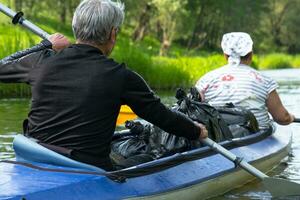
113, 35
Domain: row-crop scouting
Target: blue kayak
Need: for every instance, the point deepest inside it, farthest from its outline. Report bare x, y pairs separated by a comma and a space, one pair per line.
38, 173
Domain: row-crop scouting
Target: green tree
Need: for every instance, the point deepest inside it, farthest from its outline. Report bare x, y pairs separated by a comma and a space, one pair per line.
209, 20
291, 30
169, 14
143, 22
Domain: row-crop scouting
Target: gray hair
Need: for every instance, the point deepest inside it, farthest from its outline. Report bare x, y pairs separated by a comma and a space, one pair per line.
93, 20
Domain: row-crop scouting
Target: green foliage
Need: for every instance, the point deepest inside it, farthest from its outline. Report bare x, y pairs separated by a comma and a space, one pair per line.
184, 66
159, 72
275, 61
192, 24
296, 61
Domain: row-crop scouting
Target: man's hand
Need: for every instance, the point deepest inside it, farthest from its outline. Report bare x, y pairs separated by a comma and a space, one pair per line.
59, 41
203, 131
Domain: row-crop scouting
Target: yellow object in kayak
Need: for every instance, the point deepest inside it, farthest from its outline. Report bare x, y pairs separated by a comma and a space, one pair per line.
125, 114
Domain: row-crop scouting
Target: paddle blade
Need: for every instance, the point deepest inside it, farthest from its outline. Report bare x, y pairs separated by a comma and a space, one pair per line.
281, 187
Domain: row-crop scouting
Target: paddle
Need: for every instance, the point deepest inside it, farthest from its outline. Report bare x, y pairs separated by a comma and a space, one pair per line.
297, 120
276, 186
17, 18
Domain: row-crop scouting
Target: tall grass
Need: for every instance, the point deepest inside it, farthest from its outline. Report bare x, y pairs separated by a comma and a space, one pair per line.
13, 39
14, 90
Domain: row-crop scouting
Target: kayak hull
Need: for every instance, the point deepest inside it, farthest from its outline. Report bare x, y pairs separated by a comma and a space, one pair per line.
221, 184
200, 178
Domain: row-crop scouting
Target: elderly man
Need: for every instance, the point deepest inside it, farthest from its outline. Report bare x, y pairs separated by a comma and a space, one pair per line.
77, 92
242, 85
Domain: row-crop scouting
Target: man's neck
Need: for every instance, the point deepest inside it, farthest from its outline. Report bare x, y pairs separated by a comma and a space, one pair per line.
102, 48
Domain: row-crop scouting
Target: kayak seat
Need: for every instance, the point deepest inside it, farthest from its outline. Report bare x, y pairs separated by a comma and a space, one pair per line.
27, 150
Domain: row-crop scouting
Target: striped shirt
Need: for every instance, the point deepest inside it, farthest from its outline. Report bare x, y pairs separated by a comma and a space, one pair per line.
240, 85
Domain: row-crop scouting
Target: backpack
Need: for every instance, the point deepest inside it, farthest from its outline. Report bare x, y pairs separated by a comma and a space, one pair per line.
240, 121
203, 113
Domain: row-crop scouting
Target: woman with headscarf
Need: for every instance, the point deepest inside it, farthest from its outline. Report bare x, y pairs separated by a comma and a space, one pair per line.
242, 85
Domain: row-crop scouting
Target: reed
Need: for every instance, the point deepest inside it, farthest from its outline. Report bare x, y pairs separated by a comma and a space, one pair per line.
13, 39
14, 91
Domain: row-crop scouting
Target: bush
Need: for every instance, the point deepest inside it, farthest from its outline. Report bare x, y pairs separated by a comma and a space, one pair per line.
275, 61
296, 61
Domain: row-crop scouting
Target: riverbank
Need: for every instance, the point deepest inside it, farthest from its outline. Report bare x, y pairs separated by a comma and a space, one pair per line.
180, 69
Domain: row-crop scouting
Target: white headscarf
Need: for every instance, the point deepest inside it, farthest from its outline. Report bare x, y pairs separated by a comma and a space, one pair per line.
235, 45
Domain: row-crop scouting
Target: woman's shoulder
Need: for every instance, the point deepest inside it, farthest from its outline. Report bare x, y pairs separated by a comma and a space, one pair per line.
217, 71
258, 75
214, 74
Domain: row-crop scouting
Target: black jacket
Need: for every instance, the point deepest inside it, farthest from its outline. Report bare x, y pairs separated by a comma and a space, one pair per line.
76, 97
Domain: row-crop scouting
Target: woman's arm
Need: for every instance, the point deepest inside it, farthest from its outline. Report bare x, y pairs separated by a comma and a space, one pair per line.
277, 110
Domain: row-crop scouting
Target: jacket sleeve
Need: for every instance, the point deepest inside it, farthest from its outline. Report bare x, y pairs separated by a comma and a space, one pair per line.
146, 105
16, 67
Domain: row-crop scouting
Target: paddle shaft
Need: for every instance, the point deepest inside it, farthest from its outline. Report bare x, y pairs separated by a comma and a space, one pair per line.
297, 120
17, 18
243, 164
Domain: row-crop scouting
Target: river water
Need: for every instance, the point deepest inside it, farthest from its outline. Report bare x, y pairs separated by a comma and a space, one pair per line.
13, 111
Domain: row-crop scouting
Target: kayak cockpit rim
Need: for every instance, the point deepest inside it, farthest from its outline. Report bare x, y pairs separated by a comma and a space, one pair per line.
165, 162
195, 154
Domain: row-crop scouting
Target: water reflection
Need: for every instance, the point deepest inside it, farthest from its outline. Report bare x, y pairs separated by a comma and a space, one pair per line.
12, 113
